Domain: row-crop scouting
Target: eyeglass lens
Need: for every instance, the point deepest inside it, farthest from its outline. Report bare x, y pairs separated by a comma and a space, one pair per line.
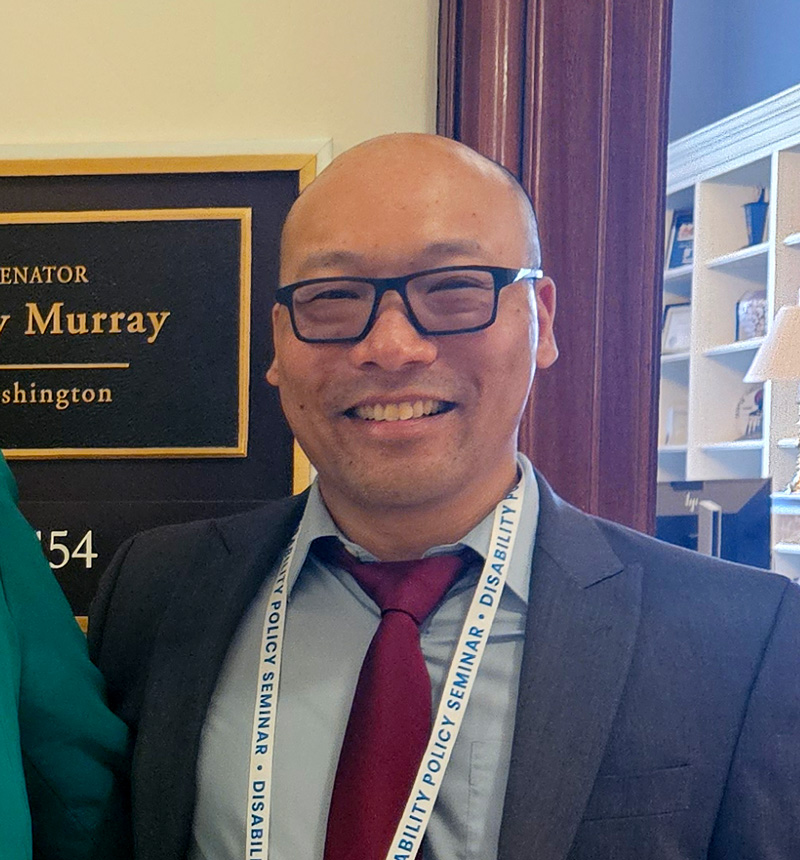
441, 302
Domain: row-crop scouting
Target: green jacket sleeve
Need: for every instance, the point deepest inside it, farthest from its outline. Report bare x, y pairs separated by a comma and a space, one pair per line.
73, 749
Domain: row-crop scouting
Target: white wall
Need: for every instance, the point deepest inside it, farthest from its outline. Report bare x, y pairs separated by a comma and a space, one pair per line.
164, 70
727, 55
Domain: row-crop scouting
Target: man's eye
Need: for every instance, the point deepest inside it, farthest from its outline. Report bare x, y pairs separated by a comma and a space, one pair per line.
337, 294
448, 284
459, 283
330, 294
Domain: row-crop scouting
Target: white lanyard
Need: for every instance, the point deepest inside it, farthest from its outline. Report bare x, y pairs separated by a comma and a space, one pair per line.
455, 693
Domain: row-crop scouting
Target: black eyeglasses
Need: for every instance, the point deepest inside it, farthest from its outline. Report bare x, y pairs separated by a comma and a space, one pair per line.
450, 300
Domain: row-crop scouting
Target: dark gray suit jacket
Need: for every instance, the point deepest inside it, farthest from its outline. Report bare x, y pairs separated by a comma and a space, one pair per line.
659, 702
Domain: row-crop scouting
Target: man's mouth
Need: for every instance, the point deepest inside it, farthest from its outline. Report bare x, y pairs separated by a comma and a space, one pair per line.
402, 411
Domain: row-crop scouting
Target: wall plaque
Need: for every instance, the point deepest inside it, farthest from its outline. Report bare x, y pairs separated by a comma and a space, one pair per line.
125, 332
140, 288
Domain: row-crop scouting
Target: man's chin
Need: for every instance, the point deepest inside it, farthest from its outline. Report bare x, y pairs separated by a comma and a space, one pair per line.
399, 488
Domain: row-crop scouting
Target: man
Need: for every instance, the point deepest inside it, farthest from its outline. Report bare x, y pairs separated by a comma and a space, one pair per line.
63, 754
630, 700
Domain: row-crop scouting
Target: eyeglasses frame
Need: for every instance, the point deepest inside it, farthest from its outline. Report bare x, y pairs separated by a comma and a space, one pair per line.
501, 277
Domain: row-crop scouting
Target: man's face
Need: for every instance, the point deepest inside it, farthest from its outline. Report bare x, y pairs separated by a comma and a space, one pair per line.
387, 212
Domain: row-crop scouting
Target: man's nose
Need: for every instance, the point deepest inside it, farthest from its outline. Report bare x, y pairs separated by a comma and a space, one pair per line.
393, 342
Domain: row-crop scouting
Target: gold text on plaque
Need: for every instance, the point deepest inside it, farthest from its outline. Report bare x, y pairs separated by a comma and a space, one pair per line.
51, 274
51, 321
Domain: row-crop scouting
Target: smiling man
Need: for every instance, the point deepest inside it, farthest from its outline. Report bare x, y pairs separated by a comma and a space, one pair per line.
396, 482
429, 654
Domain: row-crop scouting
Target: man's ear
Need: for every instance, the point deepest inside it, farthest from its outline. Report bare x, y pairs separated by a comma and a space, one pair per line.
273, 377
547, 351
272, 374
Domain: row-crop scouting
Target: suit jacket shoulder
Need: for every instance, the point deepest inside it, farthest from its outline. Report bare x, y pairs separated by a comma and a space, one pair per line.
654, 685
156, 571
588, 548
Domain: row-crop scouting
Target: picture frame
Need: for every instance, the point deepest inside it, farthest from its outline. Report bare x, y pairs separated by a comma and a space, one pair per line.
749, 414
676, 328
680, 244
676, 425
751, 315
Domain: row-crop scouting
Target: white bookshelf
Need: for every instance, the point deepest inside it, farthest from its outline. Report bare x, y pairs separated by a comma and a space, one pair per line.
675, 358
749, 262
749, 345
715, 172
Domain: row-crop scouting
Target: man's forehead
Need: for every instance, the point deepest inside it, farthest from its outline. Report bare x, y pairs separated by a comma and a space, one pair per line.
429, 197
429, 254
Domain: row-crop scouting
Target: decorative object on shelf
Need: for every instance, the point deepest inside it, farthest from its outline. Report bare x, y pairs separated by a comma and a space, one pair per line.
675, 328
676, 426
787, 527
750, 414
751, 315
680, 247
755, 216
779, 358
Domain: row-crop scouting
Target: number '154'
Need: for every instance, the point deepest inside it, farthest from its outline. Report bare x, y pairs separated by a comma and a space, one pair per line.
61, 552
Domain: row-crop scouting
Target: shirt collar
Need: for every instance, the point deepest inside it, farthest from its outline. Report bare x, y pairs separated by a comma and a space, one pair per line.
317, 522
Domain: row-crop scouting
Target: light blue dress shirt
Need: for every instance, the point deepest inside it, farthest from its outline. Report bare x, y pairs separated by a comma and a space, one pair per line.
329, 625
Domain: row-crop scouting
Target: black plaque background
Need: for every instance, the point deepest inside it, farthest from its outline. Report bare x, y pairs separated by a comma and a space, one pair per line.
190, 268
120, 497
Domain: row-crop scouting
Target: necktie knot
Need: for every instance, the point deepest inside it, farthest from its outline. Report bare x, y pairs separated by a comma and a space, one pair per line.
414, 587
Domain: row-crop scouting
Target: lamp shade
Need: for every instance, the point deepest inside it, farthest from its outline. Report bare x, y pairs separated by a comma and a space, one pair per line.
778, 357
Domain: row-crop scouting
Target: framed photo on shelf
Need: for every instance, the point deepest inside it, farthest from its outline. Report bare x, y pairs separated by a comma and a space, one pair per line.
749, 415
676, 425
676, 328
680, 244
751, 315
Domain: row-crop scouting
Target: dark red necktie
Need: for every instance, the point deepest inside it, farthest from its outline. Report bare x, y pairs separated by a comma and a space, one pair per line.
390, 719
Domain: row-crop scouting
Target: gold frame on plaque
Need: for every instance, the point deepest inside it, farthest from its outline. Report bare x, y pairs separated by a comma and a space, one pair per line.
240, 214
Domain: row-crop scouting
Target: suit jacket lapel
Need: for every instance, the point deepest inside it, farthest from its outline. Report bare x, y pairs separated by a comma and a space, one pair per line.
582, 622
198, 626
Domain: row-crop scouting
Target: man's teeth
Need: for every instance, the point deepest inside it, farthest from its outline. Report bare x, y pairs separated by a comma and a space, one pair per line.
399, 411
